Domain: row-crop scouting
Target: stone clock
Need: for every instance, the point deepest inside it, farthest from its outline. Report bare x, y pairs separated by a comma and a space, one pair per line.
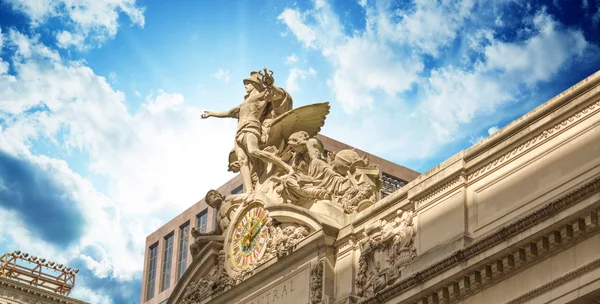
248, 237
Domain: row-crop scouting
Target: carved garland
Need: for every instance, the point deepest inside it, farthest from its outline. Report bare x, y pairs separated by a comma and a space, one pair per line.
537, 140
494, 239
316, 284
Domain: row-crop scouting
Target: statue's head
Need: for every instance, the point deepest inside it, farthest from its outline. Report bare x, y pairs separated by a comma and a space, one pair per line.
253, 82
297, 141
214, 199
346, 161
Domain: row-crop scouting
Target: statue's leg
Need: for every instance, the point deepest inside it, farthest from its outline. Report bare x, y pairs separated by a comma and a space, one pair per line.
245, 171
254, 151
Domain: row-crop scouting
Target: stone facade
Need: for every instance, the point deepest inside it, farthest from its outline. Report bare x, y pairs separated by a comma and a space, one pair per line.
397, 177
513, 219
13, 292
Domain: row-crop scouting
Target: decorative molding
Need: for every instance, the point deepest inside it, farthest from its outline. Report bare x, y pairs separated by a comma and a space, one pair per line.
488, 242
558, 282
30, 294
347, 245
435, 192
535, 142
531, 254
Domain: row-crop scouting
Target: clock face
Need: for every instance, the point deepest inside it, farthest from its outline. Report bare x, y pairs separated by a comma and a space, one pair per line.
249, 237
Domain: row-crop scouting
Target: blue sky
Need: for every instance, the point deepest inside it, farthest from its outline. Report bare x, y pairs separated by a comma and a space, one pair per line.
100, 136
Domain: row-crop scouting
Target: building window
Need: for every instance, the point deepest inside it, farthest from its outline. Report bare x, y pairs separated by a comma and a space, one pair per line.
151, 272
183, 249
165, 301
201, 221
390, 184
167, 258
238, 190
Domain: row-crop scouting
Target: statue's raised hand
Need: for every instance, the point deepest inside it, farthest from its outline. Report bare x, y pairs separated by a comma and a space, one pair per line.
206, 114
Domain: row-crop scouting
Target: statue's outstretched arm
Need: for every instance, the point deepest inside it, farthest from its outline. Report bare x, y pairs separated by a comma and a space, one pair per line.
233, 113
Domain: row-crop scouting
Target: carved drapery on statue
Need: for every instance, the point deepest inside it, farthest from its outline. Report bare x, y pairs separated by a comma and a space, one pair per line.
386, 247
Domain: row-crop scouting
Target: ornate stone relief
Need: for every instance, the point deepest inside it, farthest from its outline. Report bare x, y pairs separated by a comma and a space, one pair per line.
526, 256
283, 167
386, 246
217, 279
316, 284
283, 239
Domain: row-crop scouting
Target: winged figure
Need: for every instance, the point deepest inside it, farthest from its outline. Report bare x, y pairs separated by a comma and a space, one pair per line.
264, 125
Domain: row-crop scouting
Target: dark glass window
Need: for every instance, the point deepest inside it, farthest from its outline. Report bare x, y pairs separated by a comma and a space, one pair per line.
201, 221
167, 258
150, 282
239, 189
183, 249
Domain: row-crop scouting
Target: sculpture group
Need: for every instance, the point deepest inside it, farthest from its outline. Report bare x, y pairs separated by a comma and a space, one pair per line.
283, 166
277, 153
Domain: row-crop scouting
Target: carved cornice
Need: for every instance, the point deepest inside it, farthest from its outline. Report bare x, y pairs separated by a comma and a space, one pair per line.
347, 245
488, 242
527, 255
436, 192
29, 294
535, 141
558, 282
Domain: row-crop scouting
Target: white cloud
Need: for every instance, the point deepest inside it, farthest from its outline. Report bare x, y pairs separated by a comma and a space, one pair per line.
89, 20
428, 27
538, 58
363, 63
291, 59
493, 130
388, 57
222, 75
152, 158
295, 21
295, 75
66, 39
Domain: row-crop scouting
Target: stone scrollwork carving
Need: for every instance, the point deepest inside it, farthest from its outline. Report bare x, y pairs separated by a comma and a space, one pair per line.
386, 247
217, 279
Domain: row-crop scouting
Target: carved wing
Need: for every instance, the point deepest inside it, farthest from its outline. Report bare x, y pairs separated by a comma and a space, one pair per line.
309, 118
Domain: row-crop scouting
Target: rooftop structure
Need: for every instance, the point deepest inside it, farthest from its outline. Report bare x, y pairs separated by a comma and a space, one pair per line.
25, 278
